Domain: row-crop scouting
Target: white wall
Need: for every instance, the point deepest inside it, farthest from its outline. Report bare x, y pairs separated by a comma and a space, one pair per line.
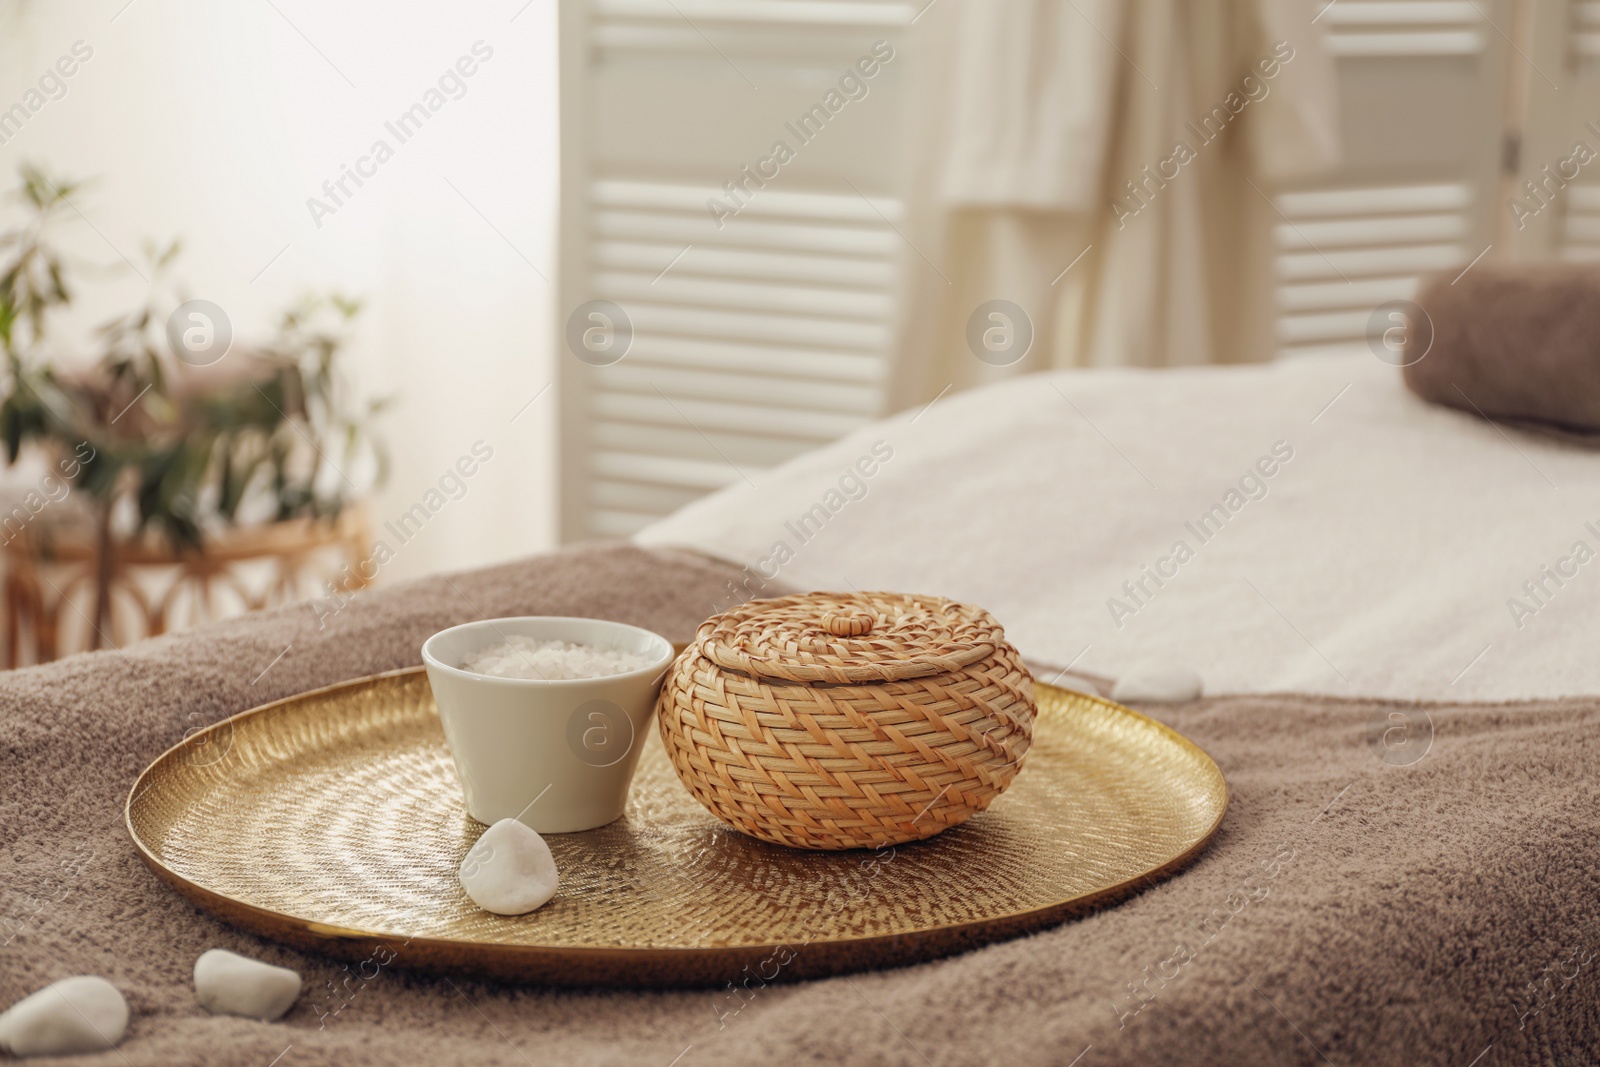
216, 122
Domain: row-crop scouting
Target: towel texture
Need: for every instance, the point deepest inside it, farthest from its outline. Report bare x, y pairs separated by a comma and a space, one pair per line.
1357, 905
1514, 343
1131, 521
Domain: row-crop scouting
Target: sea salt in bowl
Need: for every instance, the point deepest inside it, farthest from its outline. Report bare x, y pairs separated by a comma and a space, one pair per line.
530, 741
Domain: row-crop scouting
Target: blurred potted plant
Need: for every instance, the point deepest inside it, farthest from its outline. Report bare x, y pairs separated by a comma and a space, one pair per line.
169, 448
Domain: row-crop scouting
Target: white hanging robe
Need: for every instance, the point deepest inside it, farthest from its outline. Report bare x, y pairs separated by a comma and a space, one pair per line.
1037, 114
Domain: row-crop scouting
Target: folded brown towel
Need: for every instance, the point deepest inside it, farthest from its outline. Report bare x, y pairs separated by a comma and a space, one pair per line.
1519, 343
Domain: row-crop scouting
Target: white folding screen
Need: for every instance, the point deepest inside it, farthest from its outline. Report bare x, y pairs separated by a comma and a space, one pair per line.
761, 314
1420, 87
1430, 182
762, 322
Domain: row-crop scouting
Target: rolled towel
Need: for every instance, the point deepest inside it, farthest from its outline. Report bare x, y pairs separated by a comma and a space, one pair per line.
1515, 343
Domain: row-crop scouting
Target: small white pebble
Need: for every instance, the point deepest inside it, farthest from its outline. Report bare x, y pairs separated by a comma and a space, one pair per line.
510, 870
74, 1015
525, 657
230, 984
1169, 685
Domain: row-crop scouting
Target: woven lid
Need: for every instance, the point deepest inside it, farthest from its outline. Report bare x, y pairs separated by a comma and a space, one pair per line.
849, 637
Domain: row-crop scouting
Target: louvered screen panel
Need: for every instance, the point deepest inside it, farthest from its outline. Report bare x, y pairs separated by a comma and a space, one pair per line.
741, 26
1580, 231
1343, 252
1586, 29
751, 344
754, 339
1383, 28
1419, 88
1580, 224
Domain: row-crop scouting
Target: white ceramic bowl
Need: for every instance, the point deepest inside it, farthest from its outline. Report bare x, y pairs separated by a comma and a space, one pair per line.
557, 754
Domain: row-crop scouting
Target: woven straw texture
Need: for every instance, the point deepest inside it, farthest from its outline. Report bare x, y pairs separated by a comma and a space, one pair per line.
847, 720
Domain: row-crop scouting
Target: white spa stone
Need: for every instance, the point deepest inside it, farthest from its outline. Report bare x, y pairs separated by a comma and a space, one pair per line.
230, 984
82, 1014
510, 870
1169, 685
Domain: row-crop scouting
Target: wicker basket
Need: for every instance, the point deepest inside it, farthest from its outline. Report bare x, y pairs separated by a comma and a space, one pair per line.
847, 720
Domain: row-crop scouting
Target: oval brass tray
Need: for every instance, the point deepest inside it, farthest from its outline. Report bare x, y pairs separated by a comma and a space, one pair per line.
332, 821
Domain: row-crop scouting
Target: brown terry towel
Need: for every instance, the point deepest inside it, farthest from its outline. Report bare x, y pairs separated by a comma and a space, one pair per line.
1351, 910
1519, 343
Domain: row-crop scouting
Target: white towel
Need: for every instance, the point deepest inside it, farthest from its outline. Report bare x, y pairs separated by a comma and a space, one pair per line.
1403, 549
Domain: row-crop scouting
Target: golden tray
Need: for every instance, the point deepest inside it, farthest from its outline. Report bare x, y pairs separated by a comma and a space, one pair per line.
332, 821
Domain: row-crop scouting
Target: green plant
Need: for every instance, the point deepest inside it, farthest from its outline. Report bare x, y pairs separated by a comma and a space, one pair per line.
271, 432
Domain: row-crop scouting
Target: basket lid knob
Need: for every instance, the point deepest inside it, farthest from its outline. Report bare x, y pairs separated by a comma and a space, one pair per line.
847, 623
